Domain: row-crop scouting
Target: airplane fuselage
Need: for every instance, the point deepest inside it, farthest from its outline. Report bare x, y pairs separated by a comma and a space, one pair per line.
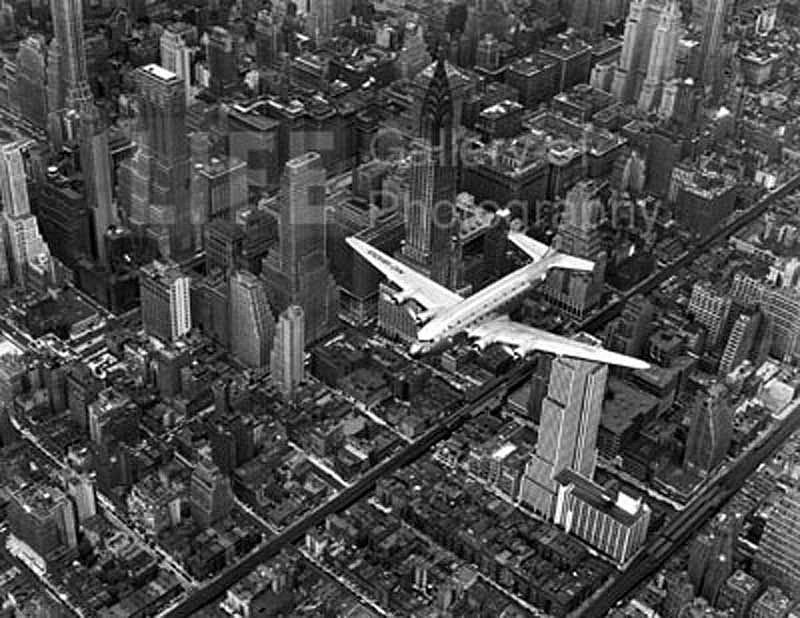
480, 306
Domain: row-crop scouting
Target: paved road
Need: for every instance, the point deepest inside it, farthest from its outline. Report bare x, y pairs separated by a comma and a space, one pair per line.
686, 524
350, 495
408, 455
596, 322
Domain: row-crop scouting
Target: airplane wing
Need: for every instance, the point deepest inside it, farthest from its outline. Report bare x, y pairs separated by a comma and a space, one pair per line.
523, 340
413, 285
538, 251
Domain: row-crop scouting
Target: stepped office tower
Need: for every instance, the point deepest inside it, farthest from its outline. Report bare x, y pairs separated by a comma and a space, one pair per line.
297, 272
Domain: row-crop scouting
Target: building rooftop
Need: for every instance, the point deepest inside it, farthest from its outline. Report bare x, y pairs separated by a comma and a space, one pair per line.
159, 72
38, 499
454, 74
501, 109
218, 166
565, 47
622, 508
164, 272
585, 96
531, 65
624, 406
775, 601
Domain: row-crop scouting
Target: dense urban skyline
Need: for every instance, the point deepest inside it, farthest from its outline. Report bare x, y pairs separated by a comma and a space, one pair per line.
406, 308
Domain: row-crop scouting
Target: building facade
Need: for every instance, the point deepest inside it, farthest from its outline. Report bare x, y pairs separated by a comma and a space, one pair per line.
570, 419
616, 525
156, 184
710, 430
297, 272
778, 556
287, 363
165, 297
252, 323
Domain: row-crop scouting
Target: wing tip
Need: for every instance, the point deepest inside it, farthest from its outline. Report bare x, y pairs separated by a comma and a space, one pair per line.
634, 363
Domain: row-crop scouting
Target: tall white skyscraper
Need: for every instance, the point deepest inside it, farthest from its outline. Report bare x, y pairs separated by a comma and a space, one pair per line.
176, 56
663, 54
13, 182
639, 28
649, 51
25, 243
287, 363
570, 419
166, 304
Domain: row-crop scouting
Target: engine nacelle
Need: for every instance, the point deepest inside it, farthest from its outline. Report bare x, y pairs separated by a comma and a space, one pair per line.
479, 344
423, 317
402, 297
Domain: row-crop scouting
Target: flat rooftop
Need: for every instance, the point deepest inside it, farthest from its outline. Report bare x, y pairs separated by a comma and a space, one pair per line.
531, 65
159, 72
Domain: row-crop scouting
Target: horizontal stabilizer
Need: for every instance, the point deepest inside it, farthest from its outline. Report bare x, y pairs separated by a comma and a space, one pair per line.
570, 262
537, 251
533, 248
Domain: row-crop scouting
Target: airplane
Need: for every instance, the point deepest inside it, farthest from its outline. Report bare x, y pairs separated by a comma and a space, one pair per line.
446, 314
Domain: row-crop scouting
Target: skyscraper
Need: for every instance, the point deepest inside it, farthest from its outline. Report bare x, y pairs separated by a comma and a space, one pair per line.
252, 322
32, 79
590, 15
432, 225
323, 17
711, 308
649, 52
224, 75
719, 563
287, 363
570, 419
640, 26
579, 234
176, 56
711, 429
13, 181
711, 16
297, 273
95, 158
40, 517
778, 557
741, 340
25, 243
157, 177
68, 29
219, 189
5, 267
80, 487
663, 54
210, 494
223, 241
166, 304
612, 522
267, 35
